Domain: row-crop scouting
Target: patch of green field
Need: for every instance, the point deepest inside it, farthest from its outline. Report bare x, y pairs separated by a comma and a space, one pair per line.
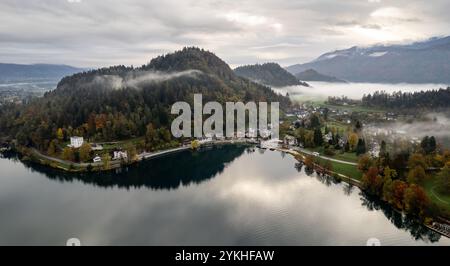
441, 200
353, 108
344, 169
346, 156
315, 100
339, 126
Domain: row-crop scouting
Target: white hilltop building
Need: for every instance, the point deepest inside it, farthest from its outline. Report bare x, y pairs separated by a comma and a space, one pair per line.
76, 142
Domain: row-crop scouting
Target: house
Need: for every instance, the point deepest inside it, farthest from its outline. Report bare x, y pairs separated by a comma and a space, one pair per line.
341, 142
118, 155
375, 150
240, 134
252, 133
96, 147
290, 140
97, 159
265, 133
205, 140
328, 137
219, 136
76, 142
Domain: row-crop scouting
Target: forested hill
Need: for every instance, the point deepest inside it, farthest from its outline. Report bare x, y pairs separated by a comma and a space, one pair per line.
312, 75
270, 74
423, 99
121, 102
16, 72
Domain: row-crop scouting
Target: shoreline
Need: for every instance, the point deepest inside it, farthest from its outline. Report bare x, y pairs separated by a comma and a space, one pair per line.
33, 155
434, 227
296, 154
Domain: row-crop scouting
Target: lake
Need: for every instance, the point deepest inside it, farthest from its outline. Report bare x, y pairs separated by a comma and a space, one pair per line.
230, 195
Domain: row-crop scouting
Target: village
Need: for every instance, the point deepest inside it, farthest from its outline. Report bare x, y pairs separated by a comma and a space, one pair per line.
335, 127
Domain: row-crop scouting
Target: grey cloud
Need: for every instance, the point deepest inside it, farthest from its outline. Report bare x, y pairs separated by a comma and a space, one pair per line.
372, 26
95, 33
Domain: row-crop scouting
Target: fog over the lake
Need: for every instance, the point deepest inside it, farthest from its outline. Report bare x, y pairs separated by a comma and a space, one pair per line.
321, 90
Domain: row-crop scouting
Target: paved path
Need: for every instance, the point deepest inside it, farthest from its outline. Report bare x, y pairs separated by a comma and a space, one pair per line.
328, 158
441, 200
53, 159
142, 156
293, 152
148, 155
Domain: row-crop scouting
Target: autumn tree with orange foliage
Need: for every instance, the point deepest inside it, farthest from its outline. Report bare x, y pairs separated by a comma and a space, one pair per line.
416, 201
309, 161
372, 181
399, 188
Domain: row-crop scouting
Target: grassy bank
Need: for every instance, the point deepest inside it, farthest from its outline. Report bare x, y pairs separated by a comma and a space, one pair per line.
350, 157
341, 168
344, 169
441, 200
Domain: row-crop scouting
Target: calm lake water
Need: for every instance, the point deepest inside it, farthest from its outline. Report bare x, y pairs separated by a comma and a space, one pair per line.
224, 196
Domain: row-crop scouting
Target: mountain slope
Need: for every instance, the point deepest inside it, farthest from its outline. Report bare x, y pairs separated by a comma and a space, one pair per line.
192, 58
270, 74
13, 72
421, 62
120, 102
312, 75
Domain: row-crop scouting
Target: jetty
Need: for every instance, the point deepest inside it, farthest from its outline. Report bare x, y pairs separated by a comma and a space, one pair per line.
440, 228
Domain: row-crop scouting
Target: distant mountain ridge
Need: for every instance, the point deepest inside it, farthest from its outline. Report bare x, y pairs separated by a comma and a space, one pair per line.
312, 75
419, 62
271, 74
36, 71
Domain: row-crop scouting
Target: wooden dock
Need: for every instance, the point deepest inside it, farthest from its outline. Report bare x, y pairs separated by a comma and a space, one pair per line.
442, 229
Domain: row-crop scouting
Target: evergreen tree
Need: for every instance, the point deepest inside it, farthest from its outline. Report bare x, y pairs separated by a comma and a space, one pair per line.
361, 147
318, 137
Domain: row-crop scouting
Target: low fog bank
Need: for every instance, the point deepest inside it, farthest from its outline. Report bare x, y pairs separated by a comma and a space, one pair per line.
321, 90
437, 125
431, 124
139, 79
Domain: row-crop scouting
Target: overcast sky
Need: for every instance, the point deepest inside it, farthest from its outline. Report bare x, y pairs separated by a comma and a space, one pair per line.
94, 33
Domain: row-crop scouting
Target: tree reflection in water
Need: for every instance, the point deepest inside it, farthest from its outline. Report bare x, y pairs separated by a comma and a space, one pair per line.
400, 220
182, 169
348, 189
